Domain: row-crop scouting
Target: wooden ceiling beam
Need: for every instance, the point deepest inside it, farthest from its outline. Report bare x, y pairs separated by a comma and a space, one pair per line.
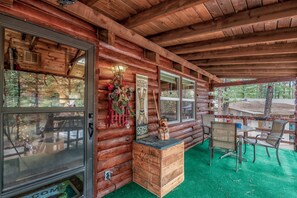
251, 66
89, 2
160, 10
259, 75
243, 40
87, 14
258, 50
249, 17
7, 3
247, 60
253, 75
257, 81
256, 72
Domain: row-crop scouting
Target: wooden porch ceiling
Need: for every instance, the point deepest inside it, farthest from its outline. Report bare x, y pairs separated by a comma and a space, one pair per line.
228, 38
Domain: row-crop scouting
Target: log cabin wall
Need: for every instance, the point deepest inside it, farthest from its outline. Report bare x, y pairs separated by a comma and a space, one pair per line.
114, 144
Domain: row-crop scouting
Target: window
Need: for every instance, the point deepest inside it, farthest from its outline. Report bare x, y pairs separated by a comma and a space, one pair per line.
188, 99
177, 99
170, 97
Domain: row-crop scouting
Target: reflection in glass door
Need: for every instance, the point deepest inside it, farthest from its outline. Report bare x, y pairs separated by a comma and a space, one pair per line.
43, 112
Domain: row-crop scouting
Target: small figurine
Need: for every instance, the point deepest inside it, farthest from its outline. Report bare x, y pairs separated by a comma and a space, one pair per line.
163, 130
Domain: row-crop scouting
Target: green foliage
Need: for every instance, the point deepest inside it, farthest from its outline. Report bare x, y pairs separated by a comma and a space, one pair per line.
26, 89
283, 90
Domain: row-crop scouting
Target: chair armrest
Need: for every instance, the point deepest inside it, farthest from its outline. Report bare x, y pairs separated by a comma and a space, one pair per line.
208, 127
257, 136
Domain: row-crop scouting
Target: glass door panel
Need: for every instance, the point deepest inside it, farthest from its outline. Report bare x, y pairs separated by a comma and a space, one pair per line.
41, 144
43, 110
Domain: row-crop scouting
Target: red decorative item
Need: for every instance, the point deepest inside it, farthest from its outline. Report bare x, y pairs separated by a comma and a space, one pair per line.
119, 108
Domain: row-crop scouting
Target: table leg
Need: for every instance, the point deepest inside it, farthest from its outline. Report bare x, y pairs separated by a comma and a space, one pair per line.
240, 149
245, 135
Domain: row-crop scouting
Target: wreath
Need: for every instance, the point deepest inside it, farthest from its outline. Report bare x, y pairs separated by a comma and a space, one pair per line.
119, 102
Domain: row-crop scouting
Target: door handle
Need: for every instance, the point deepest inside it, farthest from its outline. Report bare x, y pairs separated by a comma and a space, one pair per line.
91, 130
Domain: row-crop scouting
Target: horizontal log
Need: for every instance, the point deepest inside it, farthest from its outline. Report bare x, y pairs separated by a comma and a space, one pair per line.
129, 75
101, 124
257, 81
198, 125
107, 144
240, 40
198, 135
117, 169
177, 127
193, 143
111, 189
127, 49
117, 57
111, 162
107, 134
102, 185
180, 132
187, 140
258, 50
110, 153
186, 135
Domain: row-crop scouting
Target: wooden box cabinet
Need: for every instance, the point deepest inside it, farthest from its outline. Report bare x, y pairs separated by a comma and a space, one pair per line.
158, 166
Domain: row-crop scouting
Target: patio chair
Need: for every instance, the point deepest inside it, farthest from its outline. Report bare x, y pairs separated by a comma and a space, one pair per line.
224, 136
206, 124
272, 139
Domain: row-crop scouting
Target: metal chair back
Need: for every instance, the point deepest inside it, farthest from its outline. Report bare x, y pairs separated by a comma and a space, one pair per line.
206, 121
277, 131
224, 135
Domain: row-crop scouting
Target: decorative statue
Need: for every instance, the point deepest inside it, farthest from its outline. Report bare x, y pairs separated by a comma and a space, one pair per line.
163, 130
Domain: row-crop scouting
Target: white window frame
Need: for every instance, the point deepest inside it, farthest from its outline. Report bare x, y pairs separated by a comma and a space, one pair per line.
173, 99
189, 100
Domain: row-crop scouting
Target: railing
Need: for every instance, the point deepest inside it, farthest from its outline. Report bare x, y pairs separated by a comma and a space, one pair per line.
245, 120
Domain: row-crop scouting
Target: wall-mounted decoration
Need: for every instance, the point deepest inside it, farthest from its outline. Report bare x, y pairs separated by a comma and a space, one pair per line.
141, 106
119, 96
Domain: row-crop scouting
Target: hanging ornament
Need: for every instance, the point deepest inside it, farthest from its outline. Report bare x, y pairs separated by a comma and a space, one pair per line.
119, 108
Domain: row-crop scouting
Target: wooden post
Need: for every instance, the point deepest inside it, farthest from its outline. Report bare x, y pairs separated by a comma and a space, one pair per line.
220, 101
244, 122
268, 104
295, 115
211, 98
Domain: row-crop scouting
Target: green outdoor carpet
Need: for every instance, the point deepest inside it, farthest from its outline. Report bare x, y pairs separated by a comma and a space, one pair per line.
263, 179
